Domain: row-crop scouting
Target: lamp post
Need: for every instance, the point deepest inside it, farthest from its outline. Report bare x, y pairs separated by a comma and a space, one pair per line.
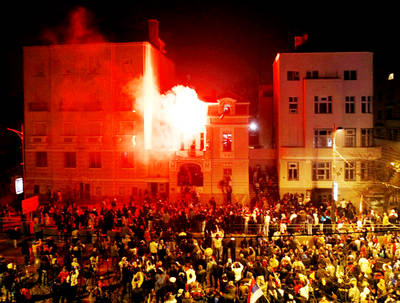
335, 186
20, 134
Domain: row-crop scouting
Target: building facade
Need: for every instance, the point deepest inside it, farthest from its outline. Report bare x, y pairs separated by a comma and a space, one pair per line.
324, 123
81, 119
89, 136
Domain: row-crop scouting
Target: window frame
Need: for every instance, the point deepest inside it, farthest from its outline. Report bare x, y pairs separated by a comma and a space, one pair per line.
350, 75
69, 163
227, 141
293, 171
350, 105
95, 160
327, 170
319, 137
293, 101
293, 75
323, 103
41, 160
350, 171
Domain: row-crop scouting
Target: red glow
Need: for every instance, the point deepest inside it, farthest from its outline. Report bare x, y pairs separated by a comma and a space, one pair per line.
78, 30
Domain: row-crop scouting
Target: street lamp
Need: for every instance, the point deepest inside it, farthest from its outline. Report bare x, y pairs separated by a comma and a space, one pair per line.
20, 134
335, 186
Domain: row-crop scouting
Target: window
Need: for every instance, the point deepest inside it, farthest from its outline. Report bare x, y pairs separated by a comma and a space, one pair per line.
312, 74
293, 76
41, 159
350, 171
127, 160
227, 142
322, 137
293, 105
323, 105
293, 171
94, 160
350, 75
70, 160
350, 137
366, 104
321, 171
367, 138
350, 105
366, 170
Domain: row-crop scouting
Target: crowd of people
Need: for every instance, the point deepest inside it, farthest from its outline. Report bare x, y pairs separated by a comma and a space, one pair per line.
292, 249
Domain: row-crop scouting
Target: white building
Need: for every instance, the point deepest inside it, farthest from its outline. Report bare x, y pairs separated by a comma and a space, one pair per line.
315, 95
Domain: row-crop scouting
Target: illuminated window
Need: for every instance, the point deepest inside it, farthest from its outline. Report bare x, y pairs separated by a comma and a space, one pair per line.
127, 159
226, 142
367, 138
293, 171
350, 171
41, 159
350, 105
366, 104
323, 105
293, 105
70, 160
350, 75
322, 137
321, 171
350, 137
201, 141
293, 76
94, 160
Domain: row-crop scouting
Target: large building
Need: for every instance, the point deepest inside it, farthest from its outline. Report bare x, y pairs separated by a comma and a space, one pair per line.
91, 128
324, 123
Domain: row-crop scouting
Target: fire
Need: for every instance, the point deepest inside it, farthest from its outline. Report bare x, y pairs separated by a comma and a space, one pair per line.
184, 114
171, 119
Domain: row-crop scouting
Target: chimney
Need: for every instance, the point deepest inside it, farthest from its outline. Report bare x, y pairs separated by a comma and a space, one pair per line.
153, 29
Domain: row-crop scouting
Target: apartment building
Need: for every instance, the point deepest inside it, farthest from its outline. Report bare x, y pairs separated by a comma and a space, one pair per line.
324, 123
89, 137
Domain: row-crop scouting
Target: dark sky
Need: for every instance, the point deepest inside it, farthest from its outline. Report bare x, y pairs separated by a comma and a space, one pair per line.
225, 47
216, 45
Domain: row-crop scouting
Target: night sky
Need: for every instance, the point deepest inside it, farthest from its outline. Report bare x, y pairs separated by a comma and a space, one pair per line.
218, 47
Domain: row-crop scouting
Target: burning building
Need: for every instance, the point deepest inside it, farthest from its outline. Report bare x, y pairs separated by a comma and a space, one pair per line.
104, 119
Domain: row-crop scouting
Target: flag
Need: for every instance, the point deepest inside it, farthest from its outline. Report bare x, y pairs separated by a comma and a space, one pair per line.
255, 292
299, 40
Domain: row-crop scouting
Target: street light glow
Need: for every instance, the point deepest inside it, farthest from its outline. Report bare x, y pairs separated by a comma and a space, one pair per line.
253, 126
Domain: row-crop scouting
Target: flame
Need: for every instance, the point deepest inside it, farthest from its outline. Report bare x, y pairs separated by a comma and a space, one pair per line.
171, 119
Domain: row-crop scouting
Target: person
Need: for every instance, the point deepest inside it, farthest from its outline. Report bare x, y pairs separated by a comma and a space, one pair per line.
25, 250
72, 284
62, 278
